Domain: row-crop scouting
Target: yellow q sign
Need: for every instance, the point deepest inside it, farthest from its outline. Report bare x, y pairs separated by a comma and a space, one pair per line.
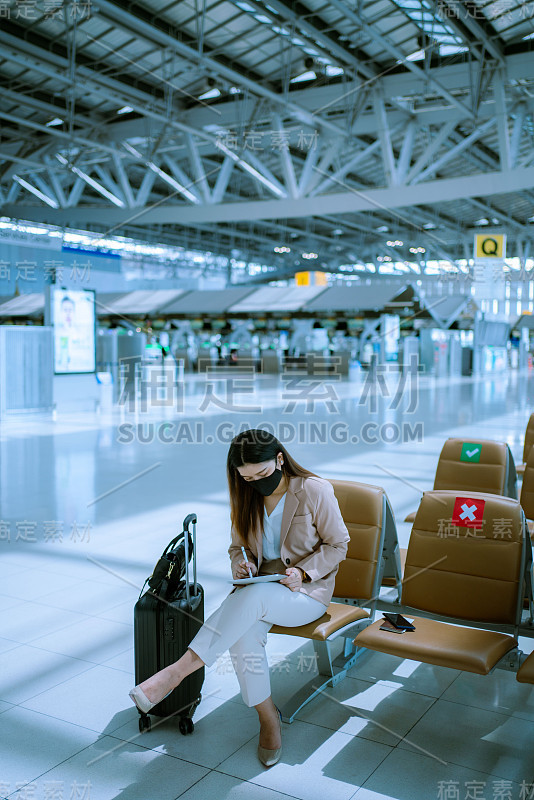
490, 245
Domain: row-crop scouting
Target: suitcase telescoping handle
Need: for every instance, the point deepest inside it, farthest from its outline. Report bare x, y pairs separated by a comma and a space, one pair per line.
191, 519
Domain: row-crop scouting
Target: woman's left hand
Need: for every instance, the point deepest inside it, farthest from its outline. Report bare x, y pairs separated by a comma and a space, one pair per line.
293, 580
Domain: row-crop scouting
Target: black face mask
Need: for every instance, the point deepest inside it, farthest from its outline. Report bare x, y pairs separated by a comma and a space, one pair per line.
267, 485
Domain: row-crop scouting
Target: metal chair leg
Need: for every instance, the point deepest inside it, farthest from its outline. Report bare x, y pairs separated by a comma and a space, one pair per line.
331, 671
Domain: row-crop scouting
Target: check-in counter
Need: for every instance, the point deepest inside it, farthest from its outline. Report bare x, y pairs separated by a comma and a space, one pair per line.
317, 363
340, 362
269, 362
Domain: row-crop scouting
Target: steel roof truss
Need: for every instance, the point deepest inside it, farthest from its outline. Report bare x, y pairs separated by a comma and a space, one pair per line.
109, 183
454, 151
221, 184
502, 120
198, 168
286, 161
405, 155
146, 187
517, 130
431, 149
458, 9
384, 136
183, 179
395, 51
123, 180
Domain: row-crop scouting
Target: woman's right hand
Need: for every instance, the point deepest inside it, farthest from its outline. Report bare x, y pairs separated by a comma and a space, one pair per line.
242, 570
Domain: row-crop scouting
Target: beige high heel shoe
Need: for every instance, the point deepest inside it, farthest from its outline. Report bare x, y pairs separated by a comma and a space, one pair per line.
270, 757
141, 700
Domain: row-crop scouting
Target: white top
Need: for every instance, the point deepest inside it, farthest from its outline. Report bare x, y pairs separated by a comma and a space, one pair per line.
272, 526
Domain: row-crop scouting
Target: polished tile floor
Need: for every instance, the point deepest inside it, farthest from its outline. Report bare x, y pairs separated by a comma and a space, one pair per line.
88, 502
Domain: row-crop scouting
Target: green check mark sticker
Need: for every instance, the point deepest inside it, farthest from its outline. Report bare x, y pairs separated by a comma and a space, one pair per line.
471, 452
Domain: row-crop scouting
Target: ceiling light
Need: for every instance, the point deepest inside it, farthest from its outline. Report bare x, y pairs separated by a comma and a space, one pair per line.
417, 56
235, 90
54, 122
333, 71
125, 110
310, 255
216, 129
429, 226
337, 231
481, 221
210, 94
451, 49
382, 229
309, 75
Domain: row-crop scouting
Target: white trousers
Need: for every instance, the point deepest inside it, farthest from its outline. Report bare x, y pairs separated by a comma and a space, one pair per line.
241, 624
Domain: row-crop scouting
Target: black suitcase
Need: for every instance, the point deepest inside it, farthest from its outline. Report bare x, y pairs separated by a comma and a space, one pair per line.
163, 629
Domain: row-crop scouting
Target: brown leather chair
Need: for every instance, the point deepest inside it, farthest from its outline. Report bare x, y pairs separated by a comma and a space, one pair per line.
373, 548
527, 492
525, 673
529, 441
493, 470
475, 576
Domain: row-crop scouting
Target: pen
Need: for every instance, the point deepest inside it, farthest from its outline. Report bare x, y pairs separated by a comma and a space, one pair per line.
245, 557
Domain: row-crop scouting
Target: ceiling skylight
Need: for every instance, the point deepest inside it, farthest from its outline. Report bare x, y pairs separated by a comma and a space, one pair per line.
422, 14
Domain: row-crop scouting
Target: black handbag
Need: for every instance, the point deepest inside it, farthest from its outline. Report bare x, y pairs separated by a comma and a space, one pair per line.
168, 575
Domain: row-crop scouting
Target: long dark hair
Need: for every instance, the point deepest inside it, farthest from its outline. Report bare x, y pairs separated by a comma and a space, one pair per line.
246, 504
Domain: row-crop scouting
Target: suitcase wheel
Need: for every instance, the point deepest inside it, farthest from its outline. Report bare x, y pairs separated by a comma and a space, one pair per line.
186, 725
144, 723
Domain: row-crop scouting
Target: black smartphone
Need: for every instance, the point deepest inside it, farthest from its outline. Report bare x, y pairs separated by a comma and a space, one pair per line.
399, 622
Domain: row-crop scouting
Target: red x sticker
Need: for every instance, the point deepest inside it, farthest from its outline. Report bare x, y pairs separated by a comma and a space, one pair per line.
468, 512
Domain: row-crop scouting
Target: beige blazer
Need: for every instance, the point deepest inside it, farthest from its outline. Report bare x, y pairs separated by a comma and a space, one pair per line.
313, 536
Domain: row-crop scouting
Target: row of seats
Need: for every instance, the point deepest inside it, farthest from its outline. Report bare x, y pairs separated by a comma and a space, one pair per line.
489, 469
468, 569
373, 552
529, 441
527, 491
526, 470
481, 574
475, 466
